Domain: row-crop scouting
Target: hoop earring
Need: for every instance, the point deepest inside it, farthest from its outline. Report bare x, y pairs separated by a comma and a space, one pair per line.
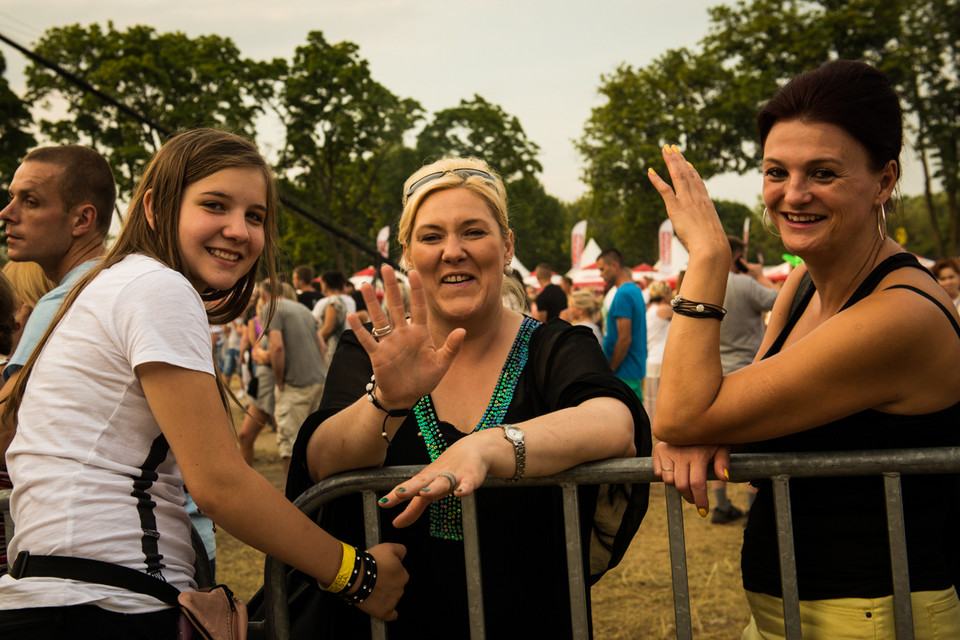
768, 226
882, 223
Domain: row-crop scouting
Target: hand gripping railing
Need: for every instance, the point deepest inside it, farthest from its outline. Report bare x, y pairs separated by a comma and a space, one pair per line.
777, 467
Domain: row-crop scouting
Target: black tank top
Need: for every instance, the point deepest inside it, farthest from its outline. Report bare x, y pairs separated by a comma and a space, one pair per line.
839, 524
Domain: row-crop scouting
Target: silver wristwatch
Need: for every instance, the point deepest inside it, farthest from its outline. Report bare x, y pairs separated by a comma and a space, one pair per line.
515, 435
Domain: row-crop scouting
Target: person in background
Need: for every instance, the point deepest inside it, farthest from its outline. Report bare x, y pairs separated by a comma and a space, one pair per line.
625, 340
331, 312
551, 300
10, 305
29, 284
297, 362
947, 273
860, 353
659, 314
585, 310
302, 281
470, 389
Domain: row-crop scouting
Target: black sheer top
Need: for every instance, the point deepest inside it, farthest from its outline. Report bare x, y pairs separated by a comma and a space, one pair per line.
526, 593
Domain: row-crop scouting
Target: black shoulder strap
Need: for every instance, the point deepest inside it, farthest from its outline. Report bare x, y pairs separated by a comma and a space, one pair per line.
929, 297
894, 262
86, 570
800, 301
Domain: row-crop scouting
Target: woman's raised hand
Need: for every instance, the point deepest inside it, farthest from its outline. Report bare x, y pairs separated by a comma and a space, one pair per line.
685, 467
691, 211
406, 362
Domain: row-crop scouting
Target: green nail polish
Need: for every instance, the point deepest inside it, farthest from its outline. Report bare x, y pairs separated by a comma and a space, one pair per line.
401, 489
383, 501
425, 489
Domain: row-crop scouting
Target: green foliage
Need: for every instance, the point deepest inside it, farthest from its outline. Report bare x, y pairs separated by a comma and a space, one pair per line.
15, 118
342, 130
705, 101
175, 81
480, 129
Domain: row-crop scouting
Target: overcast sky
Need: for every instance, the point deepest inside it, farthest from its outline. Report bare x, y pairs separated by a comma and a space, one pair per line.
541, 61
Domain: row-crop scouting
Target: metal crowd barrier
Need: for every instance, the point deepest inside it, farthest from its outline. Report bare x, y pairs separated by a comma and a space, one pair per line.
779, 468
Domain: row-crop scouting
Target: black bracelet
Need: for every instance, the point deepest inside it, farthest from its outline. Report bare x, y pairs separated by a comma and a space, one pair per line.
693, 309
396, 413
368, 580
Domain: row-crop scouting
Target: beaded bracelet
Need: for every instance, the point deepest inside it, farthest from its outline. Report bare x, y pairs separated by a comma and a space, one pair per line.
693, 309
345, 577
367, 581
396, 413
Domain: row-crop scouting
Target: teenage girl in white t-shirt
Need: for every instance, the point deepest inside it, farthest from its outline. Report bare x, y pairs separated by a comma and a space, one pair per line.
119, 408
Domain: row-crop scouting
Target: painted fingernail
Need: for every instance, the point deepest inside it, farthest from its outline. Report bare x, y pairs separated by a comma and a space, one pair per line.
651, 172
383, 501
690, 164
726, 474
401, 489
702, 512
425, 489
459, 489
675, 148
666, 149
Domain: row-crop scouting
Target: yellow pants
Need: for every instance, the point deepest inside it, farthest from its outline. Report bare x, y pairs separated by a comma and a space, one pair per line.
936, 616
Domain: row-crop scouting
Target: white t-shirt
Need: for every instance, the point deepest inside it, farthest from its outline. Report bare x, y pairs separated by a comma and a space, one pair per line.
321, 307
93, 477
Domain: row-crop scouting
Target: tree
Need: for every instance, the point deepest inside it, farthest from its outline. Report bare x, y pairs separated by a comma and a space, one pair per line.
15, 118
477, 128
705, 101
342, 130
483, 130
664, 103
174, 81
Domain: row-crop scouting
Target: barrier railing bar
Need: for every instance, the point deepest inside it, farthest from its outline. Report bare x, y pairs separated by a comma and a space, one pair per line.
631, 470
575, 577
371, 530
471, 558
788, 564
678, 563
902, 605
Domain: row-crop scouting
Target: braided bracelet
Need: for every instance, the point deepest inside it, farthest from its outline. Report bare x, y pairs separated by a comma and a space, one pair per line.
396, 413
693, 309
367, 581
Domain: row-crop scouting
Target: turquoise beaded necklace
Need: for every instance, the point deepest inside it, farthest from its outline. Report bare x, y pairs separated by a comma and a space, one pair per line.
445, 521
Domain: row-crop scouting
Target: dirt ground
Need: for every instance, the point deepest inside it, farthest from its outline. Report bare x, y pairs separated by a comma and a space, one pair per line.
635, 600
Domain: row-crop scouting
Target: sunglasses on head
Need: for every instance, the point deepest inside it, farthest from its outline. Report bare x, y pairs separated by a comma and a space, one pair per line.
463, 173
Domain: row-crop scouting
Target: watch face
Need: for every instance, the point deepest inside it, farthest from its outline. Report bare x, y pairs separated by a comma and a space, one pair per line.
514, 433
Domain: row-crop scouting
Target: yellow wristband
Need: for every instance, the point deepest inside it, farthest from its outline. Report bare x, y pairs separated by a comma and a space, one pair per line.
346, 568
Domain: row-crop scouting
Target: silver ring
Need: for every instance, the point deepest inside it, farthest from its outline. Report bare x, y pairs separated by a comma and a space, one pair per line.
452, 479
665, 469
381, 333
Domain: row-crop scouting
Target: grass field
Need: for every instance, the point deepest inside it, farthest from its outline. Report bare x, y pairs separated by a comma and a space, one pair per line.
635, 600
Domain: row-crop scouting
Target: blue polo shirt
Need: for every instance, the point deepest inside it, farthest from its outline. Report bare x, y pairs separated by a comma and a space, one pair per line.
628, 303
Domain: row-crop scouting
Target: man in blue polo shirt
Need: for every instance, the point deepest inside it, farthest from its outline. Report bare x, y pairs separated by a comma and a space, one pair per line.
625, 340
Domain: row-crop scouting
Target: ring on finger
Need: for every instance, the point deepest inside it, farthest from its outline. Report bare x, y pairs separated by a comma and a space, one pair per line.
451, 478
381, 333
665, 469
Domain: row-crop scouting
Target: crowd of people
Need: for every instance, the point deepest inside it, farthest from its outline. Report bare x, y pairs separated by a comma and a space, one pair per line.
116, 426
